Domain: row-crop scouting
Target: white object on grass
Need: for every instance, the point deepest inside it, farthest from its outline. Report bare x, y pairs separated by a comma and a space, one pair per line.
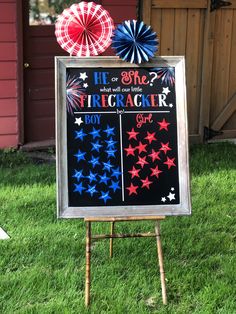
3, 235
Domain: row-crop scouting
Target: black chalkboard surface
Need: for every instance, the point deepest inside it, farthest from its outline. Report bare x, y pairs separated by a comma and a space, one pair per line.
121, 138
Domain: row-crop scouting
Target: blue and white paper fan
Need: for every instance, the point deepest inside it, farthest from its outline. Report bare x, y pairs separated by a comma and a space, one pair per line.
134, 41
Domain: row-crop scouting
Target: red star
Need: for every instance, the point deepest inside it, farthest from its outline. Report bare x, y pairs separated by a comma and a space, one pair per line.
165, 147
141, 147
170, 162
130, 150
134, 172
132, 189
133, 134
142, 161
150, 137
155, 172
146, 183
163, 125
154, 155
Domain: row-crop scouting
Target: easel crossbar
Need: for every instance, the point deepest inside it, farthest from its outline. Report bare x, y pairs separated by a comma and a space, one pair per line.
130, 235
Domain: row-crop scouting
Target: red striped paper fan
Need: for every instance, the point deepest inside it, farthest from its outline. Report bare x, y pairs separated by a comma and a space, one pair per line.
84, 29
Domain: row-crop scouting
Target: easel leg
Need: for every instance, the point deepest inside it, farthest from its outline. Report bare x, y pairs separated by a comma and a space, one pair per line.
111, 239
88, 258
161, 264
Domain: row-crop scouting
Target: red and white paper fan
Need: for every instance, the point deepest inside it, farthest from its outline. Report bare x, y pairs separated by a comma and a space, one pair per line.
84, 29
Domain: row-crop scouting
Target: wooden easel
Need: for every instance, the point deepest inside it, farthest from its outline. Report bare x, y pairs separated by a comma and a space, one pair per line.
112, 236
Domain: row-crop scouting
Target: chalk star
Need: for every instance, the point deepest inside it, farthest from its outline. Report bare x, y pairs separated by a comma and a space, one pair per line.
78, 174
165, 90
171, 196
79, 188
134, 172
104, 178
85, 85
132, 189
172, 189
91, 189
107, 166
91, 176
110, 143
141, 147
170, 162
109, 130
83, 76
130, 150
155, 172
114, 185
80, 155
80, 135
96, 146
163, 199
146, 183
165, 147
94, 161
116, 172
142, 161
95, 133
110, 152
163, 125
79, 121
105, 196
132, 134
150, 137
154, 155
170, 105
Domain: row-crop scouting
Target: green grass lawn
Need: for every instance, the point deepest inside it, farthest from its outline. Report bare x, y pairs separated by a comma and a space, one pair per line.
42, 266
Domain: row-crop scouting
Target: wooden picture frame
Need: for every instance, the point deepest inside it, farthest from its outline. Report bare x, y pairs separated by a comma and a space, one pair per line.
64, 210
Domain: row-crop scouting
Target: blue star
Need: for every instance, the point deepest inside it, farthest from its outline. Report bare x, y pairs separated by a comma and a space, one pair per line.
80, 134
110, 143
105, 196
94, 161
80, 155
78, 174
104, 178
79, 188
109, 130
110, 152
92, 177
116, 172
107, 166
92, 189
95, 133
114, 185
96, 146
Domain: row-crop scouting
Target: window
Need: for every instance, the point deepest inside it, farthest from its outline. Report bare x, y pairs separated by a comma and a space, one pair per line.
45, 12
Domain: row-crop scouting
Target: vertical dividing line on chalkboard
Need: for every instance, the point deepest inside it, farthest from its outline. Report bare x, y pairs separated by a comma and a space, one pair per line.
121, 160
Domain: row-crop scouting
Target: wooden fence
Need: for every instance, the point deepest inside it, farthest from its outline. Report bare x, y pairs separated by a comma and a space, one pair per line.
207, 38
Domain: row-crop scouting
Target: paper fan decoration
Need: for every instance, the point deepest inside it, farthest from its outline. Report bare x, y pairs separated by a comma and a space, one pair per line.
134, 41
84, 29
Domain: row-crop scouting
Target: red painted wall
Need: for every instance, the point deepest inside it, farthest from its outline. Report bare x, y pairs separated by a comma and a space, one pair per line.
8, 75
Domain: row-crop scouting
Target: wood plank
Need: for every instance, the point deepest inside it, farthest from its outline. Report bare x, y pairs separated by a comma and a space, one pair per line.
8, 89
232, 71
232, 6
8, 32
167, 32
8, 52
120, 13
7, 12
156, 17
224, 115
8, 141
7, 70
8, 125
146, 11
192, 53
179, 4
222, 64
206, 77
125, 218
180, 32
8, 107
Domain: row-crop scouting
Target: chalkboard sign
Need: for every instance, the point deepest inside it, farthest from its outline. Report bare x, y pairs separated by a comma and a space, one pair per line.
122, 143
